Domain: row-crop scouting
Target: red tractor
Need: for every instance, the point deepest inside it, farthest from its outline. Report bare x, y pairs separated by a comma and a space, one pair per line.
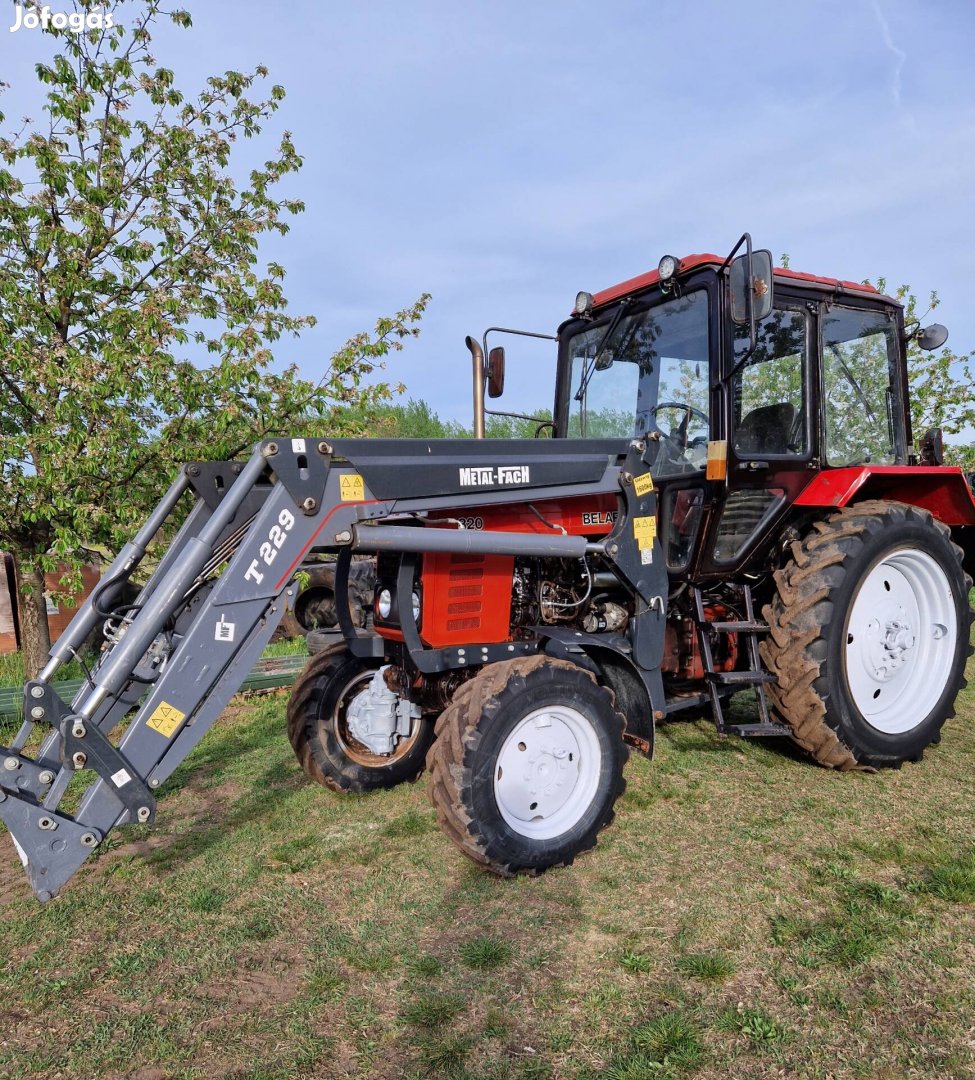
733, 500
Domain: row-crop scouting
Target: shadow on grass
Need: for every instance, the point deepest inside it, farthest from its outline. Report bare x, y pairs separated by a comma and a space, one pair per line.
698, 735
229, 755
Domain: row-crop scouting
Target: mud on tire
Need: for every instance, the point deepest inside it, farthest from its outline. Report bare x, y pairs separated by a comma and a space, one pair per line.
527, 765
870, 630
323, 745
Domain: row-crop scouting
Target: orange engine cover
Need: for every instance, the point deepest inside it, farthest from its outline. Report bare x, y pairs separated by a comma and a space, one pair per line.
466, 598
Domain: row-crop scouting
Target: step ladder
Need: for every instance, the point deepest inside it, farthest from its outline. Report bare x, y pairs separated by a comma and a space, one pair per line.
748, 630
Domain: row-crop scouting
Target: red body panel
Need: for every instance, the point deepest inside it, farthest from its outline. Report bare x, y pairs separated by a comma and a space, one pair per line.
467, 598
586, 516
942, 490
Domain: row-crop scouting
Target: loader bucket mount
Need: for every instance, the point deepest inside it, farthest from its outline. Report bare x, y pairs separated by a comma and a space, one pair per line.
202, 619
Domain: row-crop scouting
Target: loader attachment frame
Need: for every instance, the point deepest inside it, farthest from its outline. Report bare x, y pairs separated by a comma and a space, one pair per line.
203, 617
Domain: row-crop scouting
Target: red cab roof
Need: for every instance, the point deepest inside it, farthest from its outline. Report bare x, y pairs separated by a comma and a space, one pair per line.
691, 262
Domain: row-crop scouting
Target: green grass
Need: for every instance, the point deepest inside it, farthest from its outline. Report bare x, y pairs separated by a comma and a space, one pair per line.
485, 953
708, 967
755, 1024
12, 664
746, 915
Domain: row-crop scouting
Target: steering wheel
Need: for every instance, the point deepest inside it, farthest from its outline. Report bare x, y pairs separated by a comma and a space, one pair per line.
674, 448
688, 410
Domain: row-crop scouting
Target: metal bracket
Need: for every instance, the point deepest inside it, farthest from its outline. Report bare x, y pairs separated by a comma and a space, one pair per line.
42, 705
86, 747
22, 774
51, 846
210, 480
301, 466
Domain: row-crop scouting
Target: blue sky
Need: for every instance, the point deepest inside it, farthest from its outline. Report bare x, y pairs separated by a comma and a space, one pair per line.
504, 155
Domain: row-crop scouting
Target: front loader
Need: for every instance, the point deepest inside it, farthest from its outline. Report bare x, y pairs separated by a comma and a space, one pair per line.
732, 501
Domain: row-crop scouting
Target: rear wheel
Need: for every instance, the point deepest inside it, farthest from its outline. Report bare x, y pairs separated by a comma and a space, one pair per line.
325, 732
528, 764
870, 630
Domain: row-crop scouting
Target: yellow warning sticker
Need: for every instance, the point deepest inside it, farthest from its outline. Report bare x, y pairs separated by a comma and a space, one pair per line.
166, 719
352, 487
644, 530
643, 484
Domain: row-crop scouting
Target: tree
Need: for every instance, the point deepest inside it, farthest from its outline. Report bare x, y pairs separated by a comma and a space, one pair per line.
128, 257
941, 381
417, 420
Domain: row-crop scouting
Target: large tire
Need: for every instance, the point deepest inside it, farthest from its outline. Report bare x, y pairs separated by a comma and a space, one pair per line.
325, 748
551, 715
870, 630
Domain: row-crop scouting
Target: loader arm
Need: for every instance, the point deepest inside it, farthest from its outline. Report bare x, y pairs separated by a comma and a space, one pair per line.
204, 616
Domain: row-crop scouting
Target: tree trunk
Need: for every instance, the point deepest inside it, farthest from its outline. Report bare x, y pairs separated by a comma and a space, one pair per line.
35, 634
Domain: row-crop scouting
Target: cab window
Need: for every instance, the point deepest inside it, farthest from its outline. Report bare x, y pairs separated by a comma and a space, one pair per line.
859, 354
770, 389
646, 373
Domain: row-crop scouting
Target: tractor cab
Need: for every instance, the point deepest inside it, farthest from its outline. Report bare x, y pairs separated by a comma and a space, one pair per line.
747, 383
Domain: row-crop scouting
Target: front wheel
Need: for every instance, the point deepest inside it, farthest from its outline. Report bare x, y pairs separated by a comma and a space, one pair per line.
870, 630
528, 764
339, 735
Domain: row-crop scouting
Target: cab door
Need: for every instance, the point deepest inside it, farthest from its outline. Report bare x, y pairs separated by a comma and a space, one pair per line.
770, 432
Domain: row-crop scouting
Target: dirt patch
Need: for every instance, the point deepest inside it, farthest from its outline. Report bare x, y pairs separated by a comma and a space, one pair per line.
261, 980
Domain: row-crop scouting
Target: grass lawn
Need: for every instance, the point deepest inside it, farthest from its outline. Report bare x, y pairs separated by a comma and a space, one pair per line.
747, 915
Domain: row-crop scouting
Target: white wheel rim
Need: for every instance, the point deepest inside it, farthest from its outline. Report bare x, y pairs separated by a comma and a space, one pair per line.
547, 773
900, 641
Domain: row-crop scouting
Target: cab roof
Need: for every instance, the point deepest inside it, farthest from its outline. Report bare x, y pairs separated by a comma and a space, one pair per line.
693, 262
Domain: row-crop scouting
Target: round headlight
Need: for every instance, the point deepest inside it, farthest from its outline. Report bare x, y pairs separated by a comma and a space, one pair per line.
415, 598
583, 304
384, 603
667, 267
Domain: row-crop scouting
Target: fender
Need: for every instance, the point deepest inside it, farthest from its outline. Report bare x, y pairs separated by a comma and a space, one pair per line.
608, 657
940, 489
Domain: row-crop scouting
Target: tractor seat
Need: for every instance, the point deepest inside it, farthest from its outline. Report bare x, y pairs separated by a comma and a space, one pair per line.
766, 430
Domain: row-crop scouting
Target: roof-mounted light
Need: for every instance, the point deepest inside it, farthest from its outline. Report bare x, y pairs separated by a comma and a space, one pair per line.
583, 305
667, 268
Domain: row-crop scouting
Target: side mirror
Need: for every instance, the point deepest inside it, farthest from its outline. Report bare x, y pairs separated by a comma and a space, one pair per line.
495, 372
932, 447
751, 279
932, 337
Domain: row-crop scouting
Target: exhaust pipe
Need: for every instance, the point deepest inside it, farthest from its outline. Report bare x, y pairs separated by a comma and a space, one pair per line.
477, 356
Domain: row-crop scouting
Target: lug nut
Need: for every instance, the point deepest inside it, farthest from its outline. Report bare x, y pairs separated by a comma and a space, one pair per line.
309, 504
37, 713
46, 777
11, 764
47, 824
37, 691
89, 839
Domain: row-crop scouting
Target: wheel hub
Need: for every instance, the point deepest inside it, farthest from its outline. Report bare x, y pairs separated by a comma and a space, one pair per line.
550, 771
547, 771
900, 640
888, 645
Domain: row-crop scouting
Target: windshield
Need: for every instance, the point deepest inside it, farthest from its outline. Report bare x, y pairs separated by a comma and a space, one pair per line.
652, 375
